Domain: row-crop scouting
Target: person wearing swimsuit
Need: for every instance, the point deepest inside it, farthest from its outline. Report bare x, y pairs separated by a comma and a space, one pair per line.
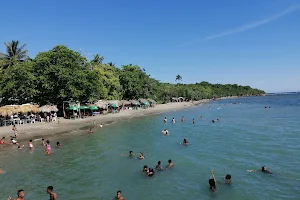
30, 144
21, 196
53, 195
48, 147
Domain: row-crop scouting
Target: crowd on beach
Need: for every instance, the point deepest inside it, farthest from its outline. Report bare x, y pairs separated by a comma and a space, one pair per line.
147, 171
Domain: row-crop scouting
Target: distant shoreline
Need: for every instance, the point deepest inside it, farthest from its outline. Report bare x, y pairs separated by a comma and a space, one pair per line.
43, 129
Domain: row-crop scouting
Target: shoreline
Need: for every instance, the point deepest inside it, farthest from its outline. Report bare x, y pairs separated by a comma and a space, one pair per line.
64, 126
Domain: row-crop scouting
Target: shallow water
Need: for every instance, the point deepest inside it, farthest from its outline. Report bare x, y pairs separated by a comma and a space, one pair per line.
246, 137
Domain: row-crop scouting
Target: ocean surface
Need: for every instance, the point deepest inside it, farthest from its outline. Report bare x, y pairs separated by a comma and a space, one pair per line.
247, 136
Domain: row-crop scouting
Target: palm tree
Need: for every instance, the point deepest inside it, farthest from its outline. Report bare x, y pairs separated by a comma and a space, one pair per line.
14, 53
178, 78
97, 59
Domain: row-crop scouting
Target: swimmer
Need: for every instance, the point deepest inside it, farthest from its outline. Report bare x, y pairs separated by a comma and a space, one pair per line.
30, 144
1, 171
21, 195
201, 117
119, 196
158, 166
131, 154
2, 141
185, 142
165, 132
141, 157
170, 164
94, 122
13, 141
91, 131
43, 142
182, 119
214, 120
20, 147
145, 169
151, 172
101, 125
193, 120
263, 169
53, 195
212, 182
173, 120
165, 120
48, 147
58, 145
228, 179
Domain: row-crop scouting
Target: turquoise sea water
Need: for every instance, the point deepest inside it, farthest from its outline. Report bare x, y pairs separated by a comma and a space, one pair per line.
247, 136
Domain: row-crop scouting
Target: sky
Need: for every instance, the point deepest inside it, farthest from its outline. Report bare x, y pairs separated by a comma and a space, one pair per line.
249, 42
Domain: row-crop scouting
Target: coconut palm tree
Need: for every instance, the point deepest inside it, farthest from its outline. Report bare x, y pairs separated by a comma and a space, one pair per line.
97, 59
14, 53
178, 78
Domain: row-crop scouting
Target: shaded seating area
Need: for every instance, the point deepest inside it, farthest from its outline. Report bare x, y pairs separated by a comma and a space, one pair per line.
48, 113
102, 106
113, 106
144, 103
135, 104
152, 102
125, 105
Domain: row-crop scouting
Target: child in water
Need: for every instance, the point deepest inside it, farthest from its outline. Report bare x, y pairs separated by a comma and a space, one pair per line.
141, 157
48, 147
212, 182
58, 145
30, 144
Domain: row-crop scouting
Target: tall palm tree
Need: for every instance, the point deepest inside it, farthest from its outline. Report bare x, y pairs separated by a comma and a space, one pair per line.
178, 78
97, 59
14, 53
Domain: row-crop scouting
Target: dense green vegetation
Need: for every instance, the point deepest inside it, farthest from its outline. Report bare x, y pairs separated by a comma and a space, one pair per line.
62, 74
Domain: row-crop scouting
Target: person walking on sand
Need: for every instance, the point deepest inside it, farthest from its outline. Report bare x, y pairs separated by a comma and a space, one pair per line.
21, 196
14, 128
53, 195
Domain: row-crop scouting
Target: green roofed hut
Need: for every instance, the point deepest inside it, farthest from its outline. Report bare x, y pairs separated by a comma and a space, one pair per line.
144, 103
113, 106
135, 104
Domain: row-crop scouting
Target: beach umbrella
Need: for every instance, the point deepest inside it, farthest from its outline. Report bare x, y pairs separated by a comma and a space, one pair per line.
114, 105
92, 107
53, 108
84, 107
73, 107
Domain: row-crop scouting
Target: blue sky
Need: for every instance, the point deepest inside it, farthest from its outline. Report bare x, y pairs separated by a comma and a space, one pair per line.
249, 42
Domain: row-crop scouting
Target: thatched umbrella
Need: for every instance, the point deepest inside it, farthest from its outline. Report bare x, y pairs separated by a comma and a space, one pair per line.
101, 104
125, 102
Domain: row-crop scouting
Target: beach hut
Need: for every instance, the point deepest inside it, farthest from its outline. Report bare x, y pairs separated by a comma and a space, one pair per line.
135, 104
102, 105
152, 102
113, 105
125, 104
145, 104
94, 109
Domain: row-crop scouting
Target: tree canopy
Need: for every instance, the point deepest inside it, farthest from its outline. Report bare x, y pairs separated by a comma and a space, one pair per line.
62, 74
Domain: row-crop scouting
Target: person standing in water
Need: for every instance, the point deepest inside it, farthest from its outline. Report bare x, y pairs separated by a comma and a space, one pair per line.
95, 124
158, 166
263, 169
15, 131
165, 120
58, 145
91, 131
43, 142
173, 120
30, 145
185, 142
48, 147
53, 195
141, 157
170, 164
21, 195
212, 182
182, 119
119, 196
193, 120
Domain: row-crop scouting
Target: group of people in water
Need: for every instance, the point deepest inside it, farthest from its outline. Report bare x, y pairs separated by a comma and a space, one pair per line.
21, 194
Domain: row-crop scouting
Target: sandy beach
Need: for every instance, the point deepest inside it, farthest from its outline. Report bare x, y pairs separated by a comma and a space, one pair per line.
43, 129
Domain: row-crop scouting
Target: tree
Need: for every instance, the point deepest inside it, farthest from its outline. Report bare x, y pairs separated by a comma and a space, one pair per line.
13, 54
178, 78
97, 59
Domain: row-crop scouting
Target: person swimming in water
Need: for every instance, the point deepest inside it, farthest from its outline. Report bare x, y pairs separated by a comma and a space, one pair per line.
131, 154
21, 195
141, 157
48, 147
158, 166
165, 132
173, 120
145, 170
201, 117
20, 147
193, 120
53, 195
30, 144
151, 172
58, 145
170, 164
228, 179
264, 169
212, 182
91, 131
43, 142
165, 120
185, 142
101, 125
119, 196
182, 119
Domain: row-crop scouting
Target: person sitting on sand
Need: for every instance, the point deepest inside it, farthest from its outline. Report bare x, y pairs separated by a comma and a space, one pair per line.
48, 147
212, 182
21, 195
158, 166
185, 142
170, 164
58, 145
119, 196
141, 157
263, 169
30, 144
91, 131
